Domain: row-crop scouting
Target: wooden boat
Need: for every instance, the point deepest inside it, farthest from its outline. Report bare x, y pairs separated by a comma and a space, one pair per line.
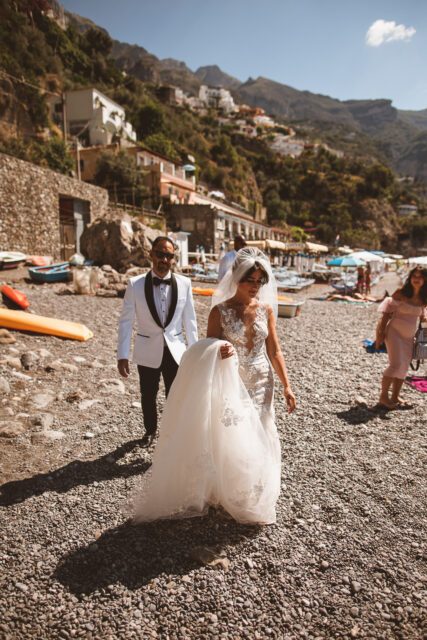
11, 259
60, 272
23, 321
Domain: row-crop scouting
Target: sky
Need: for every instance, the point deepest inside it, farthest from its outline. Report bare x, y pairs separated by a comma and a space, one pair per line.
347, 49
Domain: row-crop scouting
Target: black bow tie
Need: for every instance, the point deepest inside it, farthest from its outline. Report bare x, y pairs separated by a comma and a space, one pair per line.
157, 281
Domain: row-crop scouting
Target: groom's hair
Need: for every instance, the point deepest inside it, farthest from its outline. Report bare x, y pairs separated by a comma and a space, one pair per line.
159, 239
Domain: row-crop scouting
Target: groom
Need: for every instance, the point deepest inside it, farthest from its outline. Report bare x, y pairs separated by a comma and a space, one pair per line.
162, 304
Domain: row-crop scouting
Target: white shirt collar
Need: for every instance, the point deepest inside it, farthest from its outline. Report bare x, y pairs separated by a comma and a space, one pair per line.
168, 275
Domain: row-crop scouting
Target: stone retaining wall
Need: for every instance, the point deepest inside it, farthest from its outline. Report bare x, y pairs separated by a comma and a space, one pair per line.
29, 205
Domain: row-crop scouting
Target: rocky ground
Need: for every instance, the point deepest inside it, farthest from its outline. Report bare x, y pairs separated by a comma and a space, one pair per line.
346, 558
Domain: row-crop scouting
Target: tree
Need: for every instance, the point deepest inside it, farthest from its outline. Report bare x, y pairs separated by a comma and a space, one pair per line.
119, 174
159, 143
149, 120
97, 41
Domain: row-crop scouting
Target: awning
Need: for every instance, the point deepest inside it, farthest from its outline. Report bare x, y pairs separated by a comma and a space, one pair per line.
275, 244
295, 246
419, 260
260, 244
316, 248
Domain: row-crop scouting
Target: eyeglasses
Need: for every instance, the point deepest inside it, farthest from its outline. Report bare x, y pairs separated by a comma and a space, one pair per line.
257, 283
164, 254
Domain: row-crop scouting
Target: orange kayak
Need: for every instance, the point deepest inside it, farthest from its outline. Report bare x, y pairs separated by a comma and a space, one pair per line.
17, 297
40, 324
203, 292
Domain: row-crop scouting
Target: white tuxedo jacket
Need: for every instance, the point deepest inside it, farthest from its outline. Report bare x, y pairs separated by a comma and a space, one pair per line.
139, 306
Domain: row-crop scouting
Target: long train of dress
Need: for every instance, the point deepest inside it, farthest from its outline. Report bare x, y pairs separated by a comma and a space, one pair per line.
213, 448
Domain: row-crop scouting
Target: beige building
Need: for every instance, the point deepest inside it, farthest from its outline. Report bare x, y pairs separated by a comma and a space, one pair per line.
214, 225
166, 180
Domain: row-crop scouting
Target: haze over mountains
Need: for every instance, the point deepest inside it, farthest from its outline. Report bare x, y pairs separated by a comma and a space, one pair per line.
398, 137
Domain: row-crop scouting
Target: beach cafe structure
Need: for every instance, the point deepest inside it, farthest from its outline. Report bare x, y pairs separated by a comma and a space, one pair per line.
298, 255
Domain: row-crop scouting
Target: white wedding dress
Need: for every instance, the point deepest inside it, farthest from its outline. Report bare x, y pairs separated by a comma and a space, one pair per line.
218, 444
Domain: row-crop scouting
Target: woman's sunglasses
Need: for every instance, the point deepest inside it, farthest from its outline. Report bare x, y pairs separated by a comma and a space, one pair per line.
258, 283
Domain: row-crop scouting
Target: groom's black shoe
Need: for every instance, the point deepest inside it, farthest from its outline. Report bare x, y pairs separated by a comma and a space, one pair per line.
147, 440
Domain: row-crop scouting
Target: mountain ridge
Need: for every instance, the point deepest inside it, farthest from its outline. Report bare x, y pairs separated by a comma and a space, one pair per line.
394, 133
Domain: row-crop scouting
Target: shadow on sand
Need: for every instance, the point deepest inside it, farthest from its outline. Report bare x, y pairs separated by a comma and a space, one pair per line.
74, 474
362, 414
132, 555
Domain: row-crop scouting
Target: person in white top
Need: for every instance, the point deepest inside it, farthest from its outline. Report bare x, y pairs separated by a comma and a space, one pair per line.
162, 304
228, 259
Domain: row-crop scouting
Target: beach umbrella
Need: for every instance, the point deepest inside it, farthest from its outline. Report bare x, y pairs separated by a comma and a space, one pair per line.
346, 261
367, 256
422, 260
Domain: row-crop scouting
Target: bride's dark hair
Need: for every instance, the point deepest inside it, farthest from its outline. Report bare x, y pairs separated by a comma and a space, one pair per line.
257, 267
408, 290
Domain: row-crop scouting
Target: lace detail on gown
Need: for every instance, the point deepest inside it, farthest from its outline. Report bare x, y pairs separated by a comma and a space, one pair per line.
249, 341
218, 443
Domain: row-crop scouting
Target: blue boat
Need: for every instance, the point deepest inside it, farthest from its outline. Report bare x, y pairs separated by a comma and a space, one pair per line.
60, 272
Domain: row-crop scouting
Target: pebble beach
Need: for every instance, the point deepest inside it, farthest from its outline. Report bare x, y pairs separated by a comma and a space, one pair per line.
346, 558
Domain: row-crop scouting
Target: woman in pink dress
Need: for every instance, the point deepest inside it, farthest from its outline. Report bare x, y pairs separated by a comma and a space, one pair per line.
401, 315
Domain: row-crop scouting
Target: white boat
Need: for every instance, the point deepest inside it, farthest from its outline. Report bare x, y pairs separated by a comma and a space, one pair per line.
289, 309
11, 259
291, 281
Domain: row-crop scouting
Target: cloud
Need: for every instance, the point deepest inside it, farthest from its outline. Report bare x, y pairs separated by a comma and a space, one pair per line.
382, 31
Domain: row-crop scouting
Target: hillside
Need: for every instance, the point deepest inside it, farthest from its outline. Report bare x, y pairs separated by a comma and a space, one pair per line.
354, 196
391, 131
213, 76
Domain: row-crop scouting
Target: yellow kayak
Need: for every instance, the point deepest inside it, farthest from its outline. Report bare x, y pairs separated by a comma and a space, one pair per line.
23, 321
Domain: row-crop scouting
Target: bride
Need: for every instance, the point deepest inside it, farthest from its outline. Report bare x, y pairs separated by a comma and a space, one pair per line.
218, 443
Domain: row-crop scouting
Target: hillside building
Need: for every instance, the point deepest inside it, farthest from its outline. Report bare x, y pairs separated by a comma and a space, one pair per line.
217, 98
92, 117
167, 181
407, 210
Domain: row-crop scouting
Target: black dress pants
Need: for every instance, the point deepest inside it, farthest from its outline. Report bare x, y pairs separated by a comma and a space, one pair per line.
149, 380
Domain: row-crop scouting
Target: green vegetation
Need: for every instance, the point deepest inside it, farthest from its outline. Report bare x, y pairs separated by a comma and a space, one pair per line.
118, 173
352, 196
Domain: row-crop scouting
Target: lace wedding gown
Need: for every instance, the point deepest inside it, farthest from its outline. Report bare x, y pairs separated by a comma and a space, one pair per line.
218, 443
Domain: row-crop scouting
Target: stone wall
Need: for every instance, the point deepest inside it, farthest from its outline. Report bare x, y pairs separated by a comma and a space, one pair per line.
29, 206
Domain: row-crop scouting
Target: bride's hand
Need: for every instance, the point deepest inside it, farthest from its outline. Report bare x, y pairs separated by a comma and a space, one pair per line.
226, 351
290, 400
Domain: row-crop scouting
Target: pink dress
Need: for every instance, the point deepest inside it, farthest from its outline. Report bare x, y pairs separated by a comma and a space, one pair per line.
399, 337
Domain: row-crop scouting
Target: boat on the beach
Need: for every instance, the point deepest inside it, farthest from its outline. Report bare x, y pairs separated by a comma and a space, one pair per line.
11, 259
291, 280
60, 272
289, 309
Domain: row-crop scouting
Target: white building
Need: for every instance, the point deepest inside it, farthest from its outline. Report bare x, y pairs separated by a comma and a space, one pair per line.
92, 116
287, 146
217, 98
264, 121
407, 210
